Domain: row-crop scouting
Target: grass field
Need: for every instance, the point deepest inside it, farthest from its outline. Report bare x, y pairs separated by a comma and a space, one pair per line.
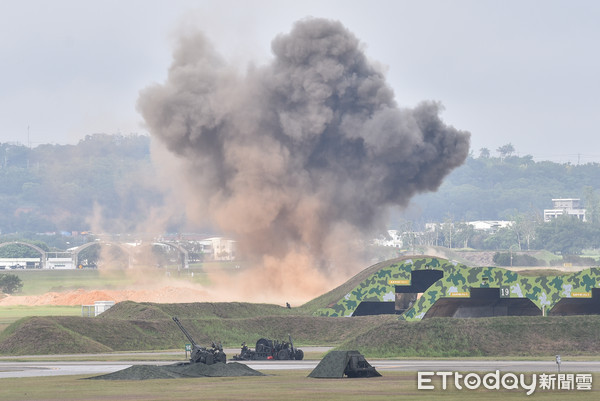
282, 385
138, 326
10, 314
36, 282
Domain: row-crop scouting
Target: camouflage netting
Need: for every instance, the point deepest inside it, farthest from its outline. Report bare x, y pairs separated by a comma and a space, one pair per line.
334, 364
180, 370
459, 282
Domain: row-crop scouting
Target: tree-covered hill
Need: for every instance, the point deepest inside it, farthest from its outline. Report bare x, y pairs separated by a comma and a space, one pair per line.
494, 188
62, 187
111, 178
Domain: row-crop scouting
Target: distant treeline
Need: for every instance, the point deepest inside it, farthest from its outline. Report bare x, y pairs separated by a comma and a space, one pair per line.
493, 188
54, 188
109, 180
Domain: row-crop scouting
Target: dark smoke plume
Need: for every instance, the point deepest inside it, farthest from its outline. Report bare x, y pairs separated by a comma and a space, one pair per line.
296, 158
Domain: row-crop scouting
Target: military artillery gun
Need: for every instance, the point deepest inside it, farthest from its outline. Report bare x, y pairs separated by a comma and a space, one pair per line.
200, 354
269, 349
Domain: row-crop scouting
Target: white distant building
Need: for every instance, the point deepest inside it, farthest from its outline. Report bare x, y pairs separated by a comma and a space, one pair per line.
96, 309
60, 263
489, 225
393, 239
566, 206
222, 248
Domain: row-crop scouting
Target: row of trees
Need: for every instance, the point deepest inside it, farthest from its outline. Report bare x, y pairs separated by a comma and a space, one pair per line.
498, 188
111, 178
54, 188
565, 235
504, 151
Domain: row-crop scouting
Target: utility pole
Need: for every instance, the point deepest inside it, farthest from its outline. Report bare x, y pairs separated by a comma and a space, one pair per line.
28, 146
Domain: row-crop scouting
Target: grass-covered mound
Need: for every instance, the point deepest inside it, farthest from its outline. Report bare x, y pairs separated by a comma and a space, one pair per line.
498, 336
130, 326
46, 335
216, 310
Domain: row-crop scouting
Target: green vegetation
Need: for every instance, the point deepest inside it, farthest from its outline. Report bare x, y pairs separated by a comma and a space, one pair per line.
278, 385
10, 283
10, 314
130, 326
37, 282
56, 188
525, 336
495, 188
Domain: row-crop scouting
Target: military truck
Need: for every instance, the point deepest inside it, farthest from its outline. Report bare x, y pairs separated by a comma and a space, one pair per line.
270, 350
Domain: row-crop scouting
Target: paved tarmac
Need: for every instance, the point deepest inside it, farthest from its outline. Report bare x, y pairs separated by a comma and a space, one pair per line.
36, 368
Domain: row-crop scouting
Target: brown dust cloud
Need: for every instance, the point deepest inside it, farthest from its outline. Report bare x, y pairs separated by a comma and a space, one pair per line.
298, 160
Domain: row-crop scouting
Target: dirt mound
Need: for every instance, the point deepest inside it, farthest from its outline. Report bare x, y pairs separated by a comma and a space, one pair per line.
180, 370
478, 258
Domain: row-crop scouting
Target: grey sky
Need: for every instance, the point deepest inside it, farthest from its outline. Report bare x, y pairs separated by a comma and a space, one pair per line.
524, 72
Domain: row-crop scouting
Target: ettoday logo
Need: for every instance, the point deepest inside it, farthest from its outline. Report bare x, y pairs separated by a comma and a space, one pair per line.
505, 381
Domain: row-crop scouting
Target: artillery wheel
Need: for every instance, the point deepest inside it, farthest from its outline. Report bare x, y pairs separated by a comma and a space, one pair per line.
299, 355
262, 345
283, 355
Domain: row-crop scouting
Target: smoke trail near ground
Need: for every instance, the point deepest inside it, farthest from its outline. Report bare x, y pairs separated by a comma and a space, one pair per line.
298, 158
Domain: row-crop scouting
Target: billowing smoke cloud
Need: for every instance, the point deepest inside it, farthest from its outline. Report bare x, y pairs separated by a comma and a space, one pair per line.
297, 158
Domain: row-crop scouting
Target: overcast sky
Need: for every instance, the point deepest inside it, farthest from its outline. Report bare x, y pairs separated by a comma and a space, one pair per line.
520, 72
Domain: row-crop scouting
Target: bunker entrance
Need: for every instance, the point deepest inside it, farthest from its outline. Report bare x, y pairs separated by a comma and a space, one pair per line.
405, 297
420, 281
578, 306
483, 302
366, 308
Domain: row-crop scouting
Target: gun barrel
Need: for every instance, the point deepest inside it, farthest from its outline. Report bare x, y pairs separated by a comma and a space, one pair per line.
189, 337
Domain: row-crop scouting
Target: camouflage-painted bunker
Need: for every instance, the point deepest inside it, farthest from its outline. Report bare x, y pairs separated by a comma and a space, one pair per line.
417, 288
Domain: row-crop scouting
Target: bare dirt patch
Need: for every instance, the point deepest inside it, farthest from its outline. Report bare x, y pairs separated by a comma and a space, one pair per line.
88, 297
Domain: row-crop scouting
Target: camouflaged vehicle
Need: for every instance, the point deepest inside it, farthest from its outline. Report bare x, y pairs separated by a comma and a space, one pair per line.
270, 350
421, 287
200, 354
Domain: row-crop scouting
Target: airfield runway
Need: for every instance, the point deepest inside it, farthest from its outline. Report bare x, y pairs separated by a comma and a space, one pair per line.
37, 367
